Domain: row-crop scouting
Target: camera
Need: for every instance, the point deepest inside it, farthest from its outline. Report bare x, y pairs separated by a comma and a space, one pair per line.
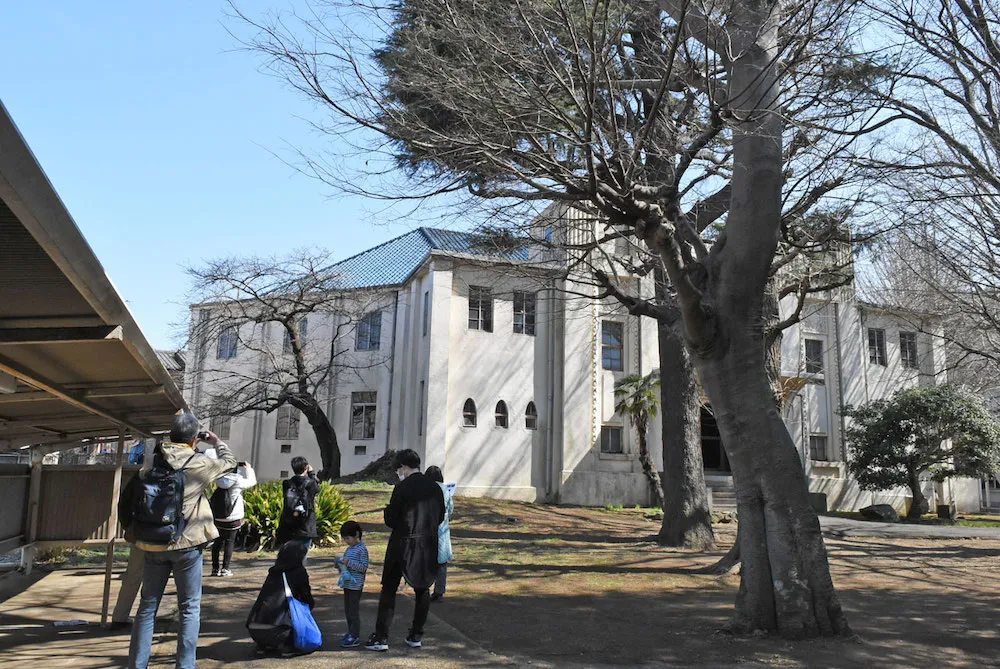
202, 436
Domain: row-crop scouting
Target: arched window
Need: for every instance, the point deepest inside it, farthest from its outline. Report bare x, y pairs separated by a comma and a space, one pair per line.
531, 416
469, 413
501, 414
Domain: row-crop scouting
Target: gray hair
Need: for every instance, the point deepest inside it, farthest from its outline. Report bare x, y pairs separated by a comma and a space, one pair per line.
184, 428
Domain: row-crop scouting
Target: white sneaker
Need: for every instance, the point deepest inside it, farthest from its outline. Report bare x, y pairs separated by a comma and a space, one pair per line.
225, 572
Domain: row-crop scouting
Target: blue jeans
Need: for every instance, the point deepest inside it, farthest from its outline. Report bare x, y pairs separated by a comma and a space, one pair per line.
187, 567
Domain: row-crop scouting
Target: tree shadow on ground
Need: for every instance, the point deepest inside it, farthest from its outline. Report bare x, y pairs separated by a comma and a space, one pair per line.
894, 630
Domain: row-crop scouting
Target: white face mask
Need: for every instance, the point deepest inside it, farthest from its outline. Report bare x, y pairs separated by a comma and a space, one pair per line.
401, 475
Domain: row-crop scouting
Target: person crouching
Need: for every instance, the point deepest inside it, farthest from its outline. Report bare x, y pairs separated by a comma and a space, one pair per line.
269, 621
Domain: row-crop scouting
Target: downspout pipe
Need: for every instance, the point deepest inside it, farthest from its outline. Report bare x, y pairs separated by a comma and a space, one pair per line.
392, 368
840, 382
550, 354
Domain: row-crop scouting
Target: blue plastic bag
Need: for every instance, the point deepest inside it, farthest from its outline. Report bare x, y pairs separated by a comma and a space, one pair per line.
306, 636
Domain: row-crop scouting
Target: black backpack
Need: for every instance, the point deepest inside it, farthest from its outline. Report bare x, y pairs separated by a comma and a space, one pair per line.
296, 495
158, 503
223, 501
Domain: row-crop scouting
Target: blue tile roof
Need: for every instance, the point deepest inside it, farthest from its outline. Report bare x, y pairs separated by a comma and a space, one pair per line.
391, 263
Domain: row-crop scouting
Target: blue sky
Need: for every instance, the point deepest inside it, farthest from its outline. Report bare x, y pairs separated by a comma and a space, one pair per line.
158, 134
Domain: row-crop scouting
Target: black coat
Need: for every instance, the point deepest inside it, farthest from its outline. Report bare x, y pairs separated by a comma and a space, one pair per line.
415, 510
295, 527
269, 621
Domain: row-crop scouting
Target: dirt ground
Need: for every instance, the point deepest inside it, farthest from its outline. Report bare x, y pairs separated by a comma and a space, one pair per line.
551, 586
567, 585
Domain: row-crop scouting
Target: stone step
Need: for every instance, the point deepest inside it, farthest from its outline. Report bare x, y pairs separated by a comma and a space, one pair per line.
723, 499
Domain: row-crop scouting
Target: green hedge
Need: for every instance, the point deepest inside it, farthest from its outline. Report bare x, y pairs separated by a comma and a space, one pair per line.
263, 510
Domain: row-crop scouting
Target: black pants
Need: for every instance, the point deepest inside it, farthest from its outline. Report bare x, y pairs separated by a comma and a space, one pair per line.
392, 573
226, 541
352, 611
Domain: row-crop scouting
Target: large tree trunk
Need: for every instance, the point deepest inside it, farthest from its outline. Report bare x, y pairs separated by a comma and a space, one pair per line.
648, 469
919, 506
326, 438
785, 585
687, 519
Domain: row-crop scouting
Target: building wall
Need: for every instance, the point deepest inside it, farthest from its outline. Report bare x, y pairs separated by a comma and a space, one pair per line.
429, 362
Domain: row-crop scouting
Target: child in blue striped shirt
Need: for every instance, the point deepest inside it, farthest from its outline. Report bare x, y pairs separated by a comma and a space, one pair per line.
353, 566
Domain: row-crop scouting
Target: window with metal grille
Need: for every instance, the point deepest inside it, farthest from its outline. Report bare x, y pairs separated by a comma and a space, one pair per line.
500, 414
480, 308
814, 356
286, 448
370, 332
818, 447
360, 449
363, 415
228, 339
286, 346
220, 426
908, 349
287, 425
531, 416
469, 413
524, 313
283, 473
612, 345
611, 439
876, 346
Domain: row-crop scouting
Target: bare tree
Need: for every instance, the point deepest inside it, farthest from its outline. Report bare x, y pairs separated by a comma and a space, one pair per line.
284, 331
538, 102
943, 179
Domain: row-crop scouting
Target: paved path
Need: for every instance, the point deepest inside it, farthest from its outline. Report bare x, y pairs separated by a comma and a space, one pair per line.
29, 607
848, 527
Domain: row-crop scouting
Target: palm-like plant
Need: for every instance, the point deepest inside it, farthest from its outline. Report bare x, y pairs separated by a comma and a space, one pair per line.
638, 398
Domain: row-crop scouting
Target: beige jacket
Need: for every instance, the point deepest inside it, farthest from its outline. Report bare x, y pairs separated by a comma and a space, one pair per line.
200, 472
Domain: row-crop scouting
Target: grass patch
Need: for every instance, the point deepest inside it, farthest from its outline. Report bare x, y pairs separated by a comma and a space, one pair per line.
59, 557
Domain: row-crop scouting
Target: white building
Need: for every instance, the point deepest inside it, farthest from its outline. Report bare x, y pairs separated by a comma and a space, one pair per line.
502, 373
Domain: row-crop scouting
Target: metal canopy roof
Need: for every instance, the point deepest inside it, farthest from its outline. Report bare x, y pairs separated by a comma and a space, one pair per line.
82, 367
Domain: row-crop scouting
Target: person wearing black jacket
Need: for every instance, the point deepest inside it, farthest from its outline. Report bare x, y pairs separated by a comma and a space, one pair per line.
270, 621
415, 510
298, 521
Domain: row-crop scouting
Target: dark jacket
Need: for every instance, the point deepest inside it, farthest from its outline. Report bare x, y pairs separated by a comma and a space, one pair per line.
269, 621
291, 526
415, 510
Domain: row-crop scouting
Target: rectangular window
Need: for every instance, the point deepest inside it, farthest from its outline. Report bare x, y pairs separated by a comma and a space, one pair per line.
420, 410
818, 447
524, 313
908, 349
220, 426
287, 426
480, 308
283, 473
427, 310
370, 332
611, 439
876, 346
612, 345
814, 356
227, 343
360, 449
286, 448
363, 415
286, 346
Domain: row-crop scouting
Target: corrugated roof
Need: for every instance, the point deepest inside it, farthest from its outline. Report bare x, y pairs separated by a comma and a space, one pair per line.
392, 262
172, 361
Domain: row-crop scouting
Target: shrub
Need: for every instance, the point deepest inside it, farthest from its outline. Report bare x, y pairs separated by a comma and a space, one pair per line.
263, 510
